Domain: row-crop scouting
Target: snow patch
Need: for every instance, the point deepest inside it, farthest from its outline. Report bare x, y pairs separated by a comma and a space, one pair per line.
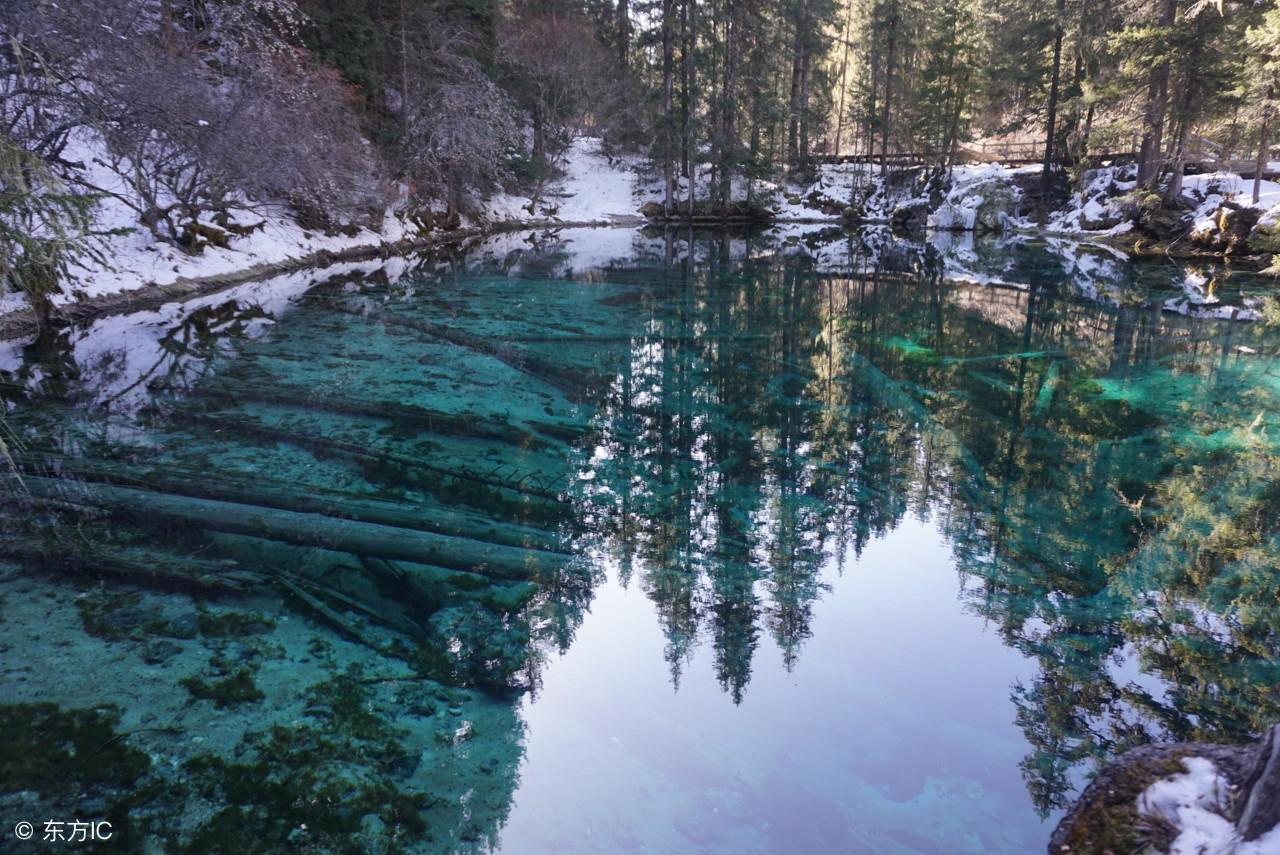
596, 188
1195, 803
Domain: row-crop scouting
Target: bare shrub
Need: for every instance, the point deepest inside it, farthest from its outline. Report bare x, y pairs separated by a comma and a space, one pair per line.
205, 107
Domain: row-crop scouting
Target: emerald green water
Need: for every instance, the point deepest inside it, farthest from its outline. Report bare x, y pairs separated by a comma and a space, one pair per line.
829, 545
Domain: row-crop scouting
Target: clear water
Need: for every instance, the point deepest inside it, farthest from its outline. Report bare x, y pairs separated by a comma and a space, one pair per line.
821, 544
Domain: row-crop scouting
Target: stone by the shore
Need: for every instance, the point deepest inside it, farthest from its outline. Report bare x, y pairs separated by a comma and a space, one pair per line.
1106, 818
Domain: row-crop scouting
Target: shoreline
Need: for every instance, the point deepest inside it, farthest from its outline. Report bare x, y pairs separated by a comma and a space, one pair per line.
21, 323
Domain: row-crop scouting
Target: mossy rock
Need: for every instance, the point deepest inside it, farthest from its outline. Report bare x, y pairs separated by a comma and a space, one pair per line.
238, 688
60, 750
1229, 230
1265, 241
910, 216
117, 615
1265, 236
233, 624
1105, 819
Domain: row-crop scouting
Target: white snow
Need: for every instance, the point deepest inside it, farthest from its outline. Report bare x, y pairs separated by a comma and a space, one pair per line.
135, 258
1270, 219
595, 189
1094, 202
1195, 802
1232, 186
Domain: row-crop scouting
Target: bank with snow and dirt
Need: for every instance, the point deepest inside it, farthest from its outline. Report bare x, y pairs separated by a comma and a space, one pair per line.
1216, 215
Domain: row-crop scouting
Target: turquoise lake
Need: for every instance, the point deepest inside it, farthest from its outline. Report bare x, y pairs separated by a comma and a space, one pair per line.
610, 541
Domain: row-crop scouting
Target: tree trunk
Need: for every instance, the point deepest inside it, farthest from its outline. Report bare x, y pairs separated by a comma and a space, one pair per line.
869, 116
269, 493
1186, 105
1051, 121
844, 85
797, 62
571, 383
690, 70
311, 530
888, 90
455, 195
668, 86
143, 566
805, 68
624, 33
539, 135
727, 129
1149, 157
953, 132
686, 86
1179, 159
1260, 165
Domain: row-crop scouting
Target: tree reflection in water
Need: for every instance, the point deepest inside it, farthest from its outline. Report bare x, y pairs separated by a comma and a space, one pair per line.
1105, 478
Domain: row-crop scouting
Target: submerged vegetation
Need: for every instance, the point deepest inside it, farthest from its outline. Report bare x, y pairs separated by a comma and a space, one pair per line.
77, 749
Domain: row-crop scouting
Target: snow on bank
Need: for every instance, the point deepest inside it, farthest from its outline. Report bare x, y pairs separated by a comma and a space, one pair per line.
833, 188
983, 196
1097, 208
599, 188
1195, 803
134, 258
596, 188
137, 259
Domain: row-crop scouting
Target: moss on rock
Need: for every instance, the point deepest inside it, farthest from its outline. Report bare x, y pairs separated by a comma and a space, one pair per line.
238, 688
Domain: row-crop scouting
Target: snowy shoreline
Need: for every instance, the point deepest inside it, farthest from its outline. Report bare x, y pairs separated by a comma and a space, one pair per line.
18, 321
600, 189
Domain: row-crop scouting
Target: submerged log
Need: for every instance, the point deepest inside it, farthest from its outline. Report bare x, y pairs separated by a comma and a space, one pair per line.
412, 415
202, 485
623, 338
303, 529
136, 564
329, 615
325, 445
417, 573
570, 382
389, 620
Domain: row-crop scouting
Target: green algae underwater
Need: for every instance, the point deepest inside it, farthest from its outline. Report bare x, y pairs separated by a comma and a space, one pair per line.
614, 541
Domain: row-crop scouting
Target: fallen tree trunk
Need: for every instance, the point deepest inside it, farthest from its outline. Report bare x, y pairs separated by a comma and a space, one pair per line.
136, 564
325, 445
329, 616
272, 494
588, 338
569, 382
304, 529
436, 421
